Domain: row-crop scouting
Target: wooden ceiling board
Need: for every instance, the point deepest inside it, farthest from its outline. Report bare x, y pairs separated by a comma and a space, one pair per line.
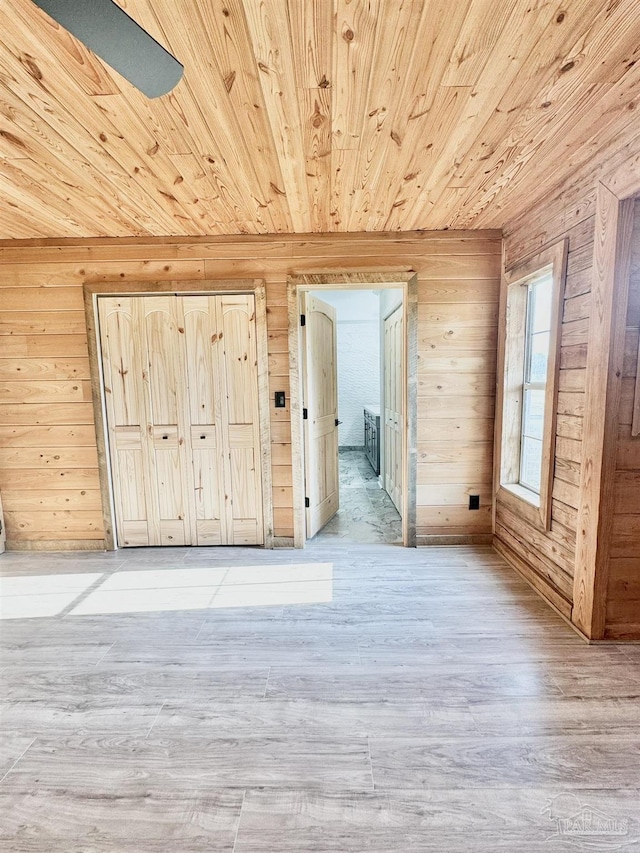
237, 155
469, 146
573, 105
59, 104
312, 116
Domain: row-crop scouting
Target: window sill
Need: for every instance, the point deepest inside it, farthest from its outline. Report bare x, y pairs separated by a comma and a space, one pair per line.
524, 502
523, 493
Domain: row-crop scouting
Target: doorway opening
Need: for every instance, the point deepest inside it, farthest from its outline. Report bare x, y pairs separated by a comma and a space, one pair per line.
354, 346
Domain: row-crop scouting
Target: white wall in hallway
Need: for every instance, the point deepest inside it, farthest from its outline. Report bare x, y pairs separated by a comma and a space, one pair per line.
358, 316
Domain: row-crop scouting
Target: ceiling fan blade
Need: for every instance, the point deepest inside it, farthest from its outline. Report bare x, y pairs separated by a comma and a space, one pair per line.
116, 38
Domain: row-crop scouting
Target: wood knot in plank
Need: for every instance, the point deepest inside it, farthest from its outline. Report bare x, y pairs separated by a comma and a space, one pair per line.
317, 119
12, 139
31, 66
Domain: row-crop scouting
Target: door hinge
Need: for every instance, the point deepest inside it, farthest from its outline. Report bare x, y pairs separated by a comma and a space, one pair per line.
307, 503
305, 414
303, 320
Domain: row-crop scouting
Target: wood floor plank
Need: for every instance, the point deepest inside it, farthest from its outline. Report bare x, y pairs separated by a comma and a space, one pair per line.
107, 765
109, 682
567, 715
60, 718
313, 718
458, 821
564, 762
454, 684
58, 822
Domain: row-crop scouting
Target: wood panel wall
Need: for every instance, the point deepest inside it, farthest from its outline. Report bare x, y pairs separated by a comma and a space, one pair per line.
590, 210
457, 339
623, 593
48, 464
550, 555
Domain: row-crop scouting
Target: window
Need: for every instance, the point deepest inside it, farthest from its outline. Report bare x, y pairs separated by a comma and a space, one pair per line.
527, 403
536, 357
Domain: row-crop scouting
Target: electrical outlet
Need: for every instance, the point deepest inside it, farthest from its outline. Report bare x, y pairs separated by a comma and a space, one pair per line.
474, 501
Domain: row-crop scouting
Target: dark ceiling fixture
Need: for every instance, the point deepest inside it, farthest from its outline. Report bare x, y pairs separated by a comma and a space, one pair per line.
116, 38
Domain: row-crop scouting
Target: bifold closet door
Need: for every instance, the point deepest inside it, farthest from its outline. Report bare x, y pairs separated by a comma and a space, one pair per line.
180, 378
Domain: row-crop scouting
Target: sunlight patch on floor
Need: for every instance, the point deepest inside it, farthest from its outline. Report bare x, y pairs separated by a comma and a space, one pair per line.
34, 596
154, 590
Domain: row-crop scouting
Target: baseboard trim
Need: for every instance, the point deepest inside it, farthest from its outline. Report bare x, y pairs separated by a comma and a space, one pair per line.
56, 545
426, 540
627, 634
550, 594
283, 542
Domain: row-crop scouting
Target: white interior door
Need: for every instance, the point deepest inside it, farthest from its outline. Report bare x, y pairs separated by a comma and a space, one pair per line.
181, 392
320, 401
393, 405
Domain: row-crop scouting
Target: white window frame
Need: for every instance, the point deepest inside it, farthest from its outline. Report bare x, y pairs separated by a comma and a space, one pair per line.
513, 340
527, 384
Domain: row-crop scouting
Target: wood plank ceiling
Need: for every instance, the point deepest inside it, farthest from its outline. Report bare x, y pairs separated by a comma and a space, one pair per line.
312, 115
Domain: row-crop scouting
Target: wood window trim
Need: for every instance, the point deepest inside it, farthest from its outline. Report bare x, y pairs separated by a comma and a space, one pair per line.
536, 509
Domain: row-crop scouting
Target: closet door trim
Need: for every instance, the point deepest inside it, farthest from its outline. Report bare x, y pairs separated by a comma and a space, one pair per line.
179, 288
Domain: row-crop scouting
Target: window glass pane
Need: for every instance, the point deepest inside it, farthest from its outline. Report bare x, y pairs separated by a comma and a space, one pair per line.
533, 414
539, 355
541, 305
531, 463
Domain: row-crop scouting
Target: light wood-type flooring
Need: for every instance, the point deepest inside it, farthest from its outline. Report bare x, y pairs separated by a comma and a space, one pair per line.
348, 697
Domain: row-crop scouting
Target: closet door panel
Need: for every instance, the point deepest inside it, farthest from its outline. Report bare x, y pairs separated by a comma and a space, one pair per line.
124, 399
243, 469
237, 319
134, 534
239, 427
163, 347
131, 474
203, 405
200, 329
163, 335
